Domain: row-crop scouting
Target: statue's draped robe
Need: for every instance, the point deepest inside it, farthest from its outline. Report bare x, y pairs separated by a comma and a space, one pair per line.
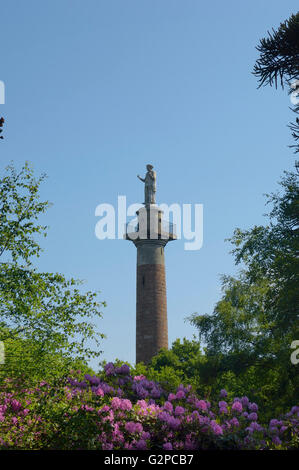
150, 187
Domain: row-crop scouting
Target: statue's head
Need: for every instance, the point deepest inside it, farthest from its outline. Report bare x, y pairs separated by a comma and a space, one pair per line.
149, 167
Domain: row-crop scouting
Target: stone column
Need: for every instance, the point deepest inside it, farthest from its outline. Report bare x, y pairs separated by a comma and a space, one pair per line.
151, 305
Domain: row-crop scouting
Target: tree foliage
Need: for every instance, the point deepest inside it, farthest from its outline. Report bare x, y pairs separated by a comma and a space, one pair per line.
252, 327
279, 63
40, 308
279, 54
180, 364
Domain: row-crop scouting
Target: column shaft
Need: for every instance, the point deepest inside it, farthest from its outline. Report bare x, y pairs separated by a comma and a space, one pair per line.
151, 304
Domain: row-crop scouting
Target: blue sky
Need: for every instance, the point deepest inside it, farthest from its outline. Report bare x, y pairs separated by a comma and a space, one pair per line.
97, 89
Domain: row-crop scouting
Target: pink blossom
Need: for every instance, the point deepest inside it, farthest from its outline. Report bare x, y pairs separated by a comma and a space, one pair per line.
139, 377
201, 404
167, 446
171, 397
133, 427
179, 410
237, 406
168, 406
99, 392
180, 394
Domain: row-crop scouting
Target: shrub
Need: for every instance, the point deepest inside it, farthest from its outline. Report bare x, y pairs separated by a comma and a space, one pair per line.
115, 410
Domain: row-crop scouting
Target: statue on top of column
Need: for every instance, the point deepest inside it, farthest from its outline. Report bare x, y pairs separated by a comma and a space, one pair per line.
149, 185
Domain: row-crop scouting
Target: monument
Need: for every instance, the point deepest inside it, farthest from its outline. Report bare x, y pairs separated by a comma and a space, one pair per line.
150, 236
149, 185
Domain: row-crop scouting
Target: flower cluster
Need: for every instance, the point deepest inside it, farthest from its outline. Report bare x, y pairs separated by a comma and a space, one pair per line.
118, 411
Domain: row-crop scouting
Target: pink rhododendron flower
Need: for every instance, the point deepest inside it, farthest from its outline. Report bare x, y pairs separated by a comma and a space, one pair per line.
168, 406
237, 406
167, 446
201, 404
179, 410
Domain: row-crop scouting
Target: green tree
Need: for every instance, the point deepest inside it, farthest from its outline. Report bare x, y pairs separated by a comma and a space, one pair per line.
252, 327
43, 309
182, 363
249, 334
29, 360
279, 63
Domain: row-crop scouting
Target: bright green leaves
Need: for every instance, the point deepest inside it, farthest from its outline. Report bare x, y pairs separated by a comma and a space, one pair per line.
44, 311
20, 208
